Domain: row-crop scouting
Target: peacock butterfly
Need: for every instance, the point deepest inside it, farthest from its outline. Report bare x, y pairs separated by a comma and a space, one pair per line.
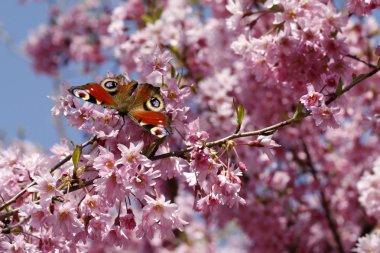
143, 103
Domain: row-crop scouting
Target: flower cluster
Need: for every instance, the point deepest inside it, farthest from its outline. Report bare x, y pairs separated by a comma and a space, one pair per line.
362, 7
323, 115
74, 35
271, 140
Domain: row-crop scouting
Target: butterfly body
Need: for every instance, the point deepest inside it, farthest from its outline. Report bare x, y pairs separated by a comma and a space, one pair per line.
143, 103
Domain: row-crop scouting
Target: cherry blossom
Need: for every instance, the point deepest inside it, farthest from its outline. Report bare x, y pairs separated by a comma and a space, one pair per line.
274, 109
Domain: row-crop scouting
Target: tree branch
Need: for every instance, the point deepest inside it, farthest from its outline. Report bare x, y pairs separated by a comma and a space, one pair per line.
270, 129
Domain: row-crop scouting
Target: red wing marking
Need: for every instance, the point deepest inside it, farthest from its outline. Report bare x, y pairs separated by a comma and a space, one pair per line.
100, 94
151, 118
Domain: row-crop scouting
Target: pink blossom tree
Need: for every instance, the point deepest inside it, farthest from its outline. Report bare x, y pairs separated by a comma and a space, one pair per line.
274, 107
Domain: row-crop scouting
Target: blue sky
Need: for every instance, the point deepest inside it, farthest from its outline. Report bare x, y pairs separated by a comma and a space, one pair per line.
24, 106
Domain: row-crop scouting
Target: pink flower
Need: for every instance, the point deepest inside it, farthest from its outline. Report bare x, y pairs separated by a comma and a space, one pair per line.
48, 242
143, 182
113, 187
66, 221
373, 123
227, 188
370, 243
236, 8
128, 221
369, 189
105, 162
116, 237
159, 216
64, 40
195, 136
92, 205
312, 98
96, 228
82, 117
362, 7
174, 94
325, 117
38, 216
265, 142
330, 82
131, 158
279, 180
202, 163
63, 105
170, 167
207, 203
46, 187
61, 149
157, 61
17, 245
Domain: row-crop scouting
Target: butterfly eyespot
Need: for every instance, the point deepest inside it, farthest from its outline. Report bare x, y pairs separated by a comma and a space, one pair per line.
158, 131
155, 104
82, 94
110, 85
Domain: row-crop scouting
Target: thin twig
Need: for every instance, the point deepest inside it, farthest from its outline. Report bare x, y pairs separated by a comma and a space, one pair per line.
211, 144
9, 229
325, 204
362, 61
5, 215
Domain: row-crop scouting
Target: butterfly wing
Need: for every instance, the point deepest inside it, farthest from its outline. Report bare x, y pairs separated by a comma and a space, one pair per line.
113, 92
93, 93
147, 108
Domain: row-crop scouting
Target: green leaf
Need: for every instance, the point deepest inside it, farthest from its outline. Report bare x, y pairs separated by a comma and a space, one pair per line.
147, 19
298, 115
172, 71
339, 89
240, 114
153, 13
358, 78
76, 156
276, 8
